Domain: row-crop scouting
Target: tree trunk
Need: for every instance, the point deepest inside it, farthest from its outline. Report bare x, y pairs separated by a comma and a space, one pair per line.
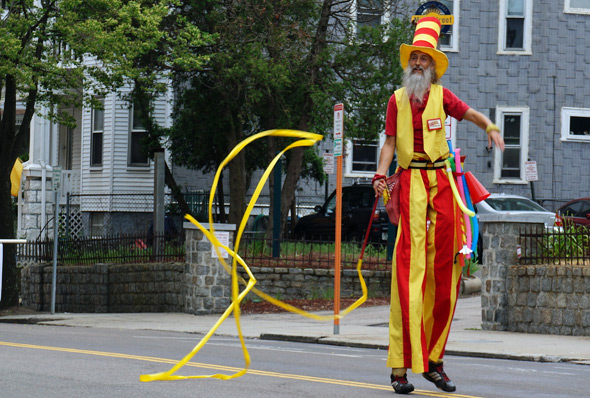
288, 192
272, 152
10, 278
176, 191
220, 200
237, 178
295, 164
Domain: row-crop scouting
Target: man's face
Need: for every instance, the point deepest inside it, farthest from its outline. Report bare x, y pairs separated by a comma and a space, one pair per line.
419, 62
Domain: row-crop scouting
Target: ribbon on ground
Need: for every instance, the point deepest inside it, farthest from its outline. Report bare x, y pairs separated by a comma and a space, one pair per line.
305, 139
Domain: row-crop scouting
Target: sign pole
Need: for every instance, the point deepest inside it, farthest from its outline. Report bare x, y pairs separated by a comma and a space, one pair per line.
530, 171
338, 137
56, 189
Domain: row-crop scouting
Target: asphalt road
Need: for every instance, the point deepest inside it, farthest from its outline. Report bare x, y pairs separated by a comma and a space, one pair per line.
60, 362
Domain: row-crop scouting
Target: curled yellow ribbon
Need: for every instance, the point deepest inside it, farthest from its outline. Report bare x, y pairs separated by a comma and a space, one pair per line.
305, 139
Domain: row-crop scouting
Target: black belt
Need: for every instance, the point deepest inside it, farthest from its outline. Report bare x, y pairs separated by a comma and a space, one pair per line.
425, 164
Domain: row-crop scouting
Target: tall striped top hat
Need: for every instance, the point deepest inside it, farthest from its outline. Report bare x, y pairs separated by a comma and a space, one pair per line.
426, 40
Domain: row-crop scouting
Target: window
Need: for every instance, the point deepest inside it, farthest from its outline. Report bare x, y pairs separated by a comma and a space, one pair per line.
514, 35
369, 13
361, 157
97, 132
137, 155
509, 165
575, 124
577, 6
449, 41
364, 155
97, 225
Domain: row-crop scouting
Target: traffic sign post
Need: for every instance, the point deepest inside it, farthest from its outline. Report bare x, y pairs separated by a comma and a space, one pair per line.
530, 174
530, 171
56, 182
338, 137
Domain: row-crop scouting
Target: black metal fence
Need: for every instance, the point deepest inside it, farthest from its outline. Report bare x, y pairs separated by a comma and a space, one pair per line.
569, 246
118, 249
256, 250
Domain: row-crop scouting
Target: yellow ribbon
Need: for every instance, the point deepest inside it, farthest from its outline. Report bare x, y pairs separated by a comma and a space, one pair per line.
306, 139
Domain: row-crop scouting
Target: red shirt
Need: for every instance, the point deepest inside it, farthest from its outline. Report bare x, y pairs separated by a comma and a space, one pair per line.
452, 105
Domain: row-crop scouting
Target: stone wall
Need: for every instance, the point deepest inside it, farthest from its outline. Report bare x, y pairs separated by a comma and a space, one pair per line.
534, 298
296, 283
549, 299
105, 288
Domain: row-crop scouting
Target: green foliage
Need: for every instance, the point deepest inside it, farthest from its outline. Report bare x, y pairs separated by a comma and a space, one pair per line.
283, 64
471, 265
326, 294
571, 242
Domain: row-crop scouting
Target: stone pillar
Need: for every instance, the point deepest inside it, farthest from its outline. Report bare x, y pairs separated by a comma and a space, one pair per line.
500, 236
208, 284
38, 203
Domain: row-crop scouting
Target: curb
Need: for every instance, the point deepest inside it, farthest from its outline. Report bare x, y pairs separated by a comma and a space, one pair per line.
458, 353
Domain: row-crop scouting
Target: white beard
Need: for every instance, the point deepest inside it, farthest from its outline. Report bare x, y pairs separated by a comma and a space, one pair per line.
417, 84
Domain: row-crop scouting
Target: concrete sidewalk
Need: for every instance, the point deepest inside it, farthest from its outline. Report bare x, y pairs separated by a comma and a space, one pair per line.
364, 327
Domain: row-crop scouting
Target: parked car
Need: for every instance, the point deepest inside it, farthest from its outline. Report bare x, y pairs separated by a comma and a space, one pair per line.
357, 206
508, 205
576, 211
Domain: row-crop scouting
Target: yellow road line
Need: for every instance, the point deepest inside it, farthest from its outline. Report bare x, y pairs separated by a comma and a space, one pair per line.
345, 383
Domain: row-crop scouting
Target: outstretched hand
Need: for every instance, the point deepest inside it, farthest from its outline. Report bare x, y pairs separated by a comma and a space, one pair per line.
495, 137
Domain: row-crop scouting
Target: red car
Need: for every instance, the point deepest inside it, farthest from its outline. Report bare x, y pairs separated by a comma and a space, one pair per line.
576, 211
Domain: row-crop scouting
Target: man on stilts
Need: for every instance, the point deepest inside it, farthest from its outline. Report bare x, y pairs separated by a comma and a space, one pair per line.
425, 273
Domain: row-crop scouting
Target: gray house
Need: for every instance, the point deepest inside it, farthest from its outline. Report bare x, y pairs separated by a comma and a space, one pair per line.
524, 63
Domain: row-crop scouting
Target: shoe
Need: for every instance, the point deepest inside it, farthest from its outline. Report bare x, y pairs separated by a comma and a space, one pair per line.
437, 375
401, 385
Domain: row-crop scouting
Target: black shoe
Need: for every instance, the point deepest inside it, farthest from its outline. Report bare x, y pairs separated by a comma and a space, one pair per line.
437, 375
401, 385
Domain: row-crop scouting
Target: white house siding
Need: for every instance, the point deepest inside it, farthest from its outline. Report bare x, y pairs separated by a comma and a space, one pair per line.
116, 176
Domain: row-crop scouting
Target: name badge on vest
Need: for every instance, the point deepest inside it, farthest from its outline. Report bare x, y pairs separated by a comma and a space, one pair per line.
434, 124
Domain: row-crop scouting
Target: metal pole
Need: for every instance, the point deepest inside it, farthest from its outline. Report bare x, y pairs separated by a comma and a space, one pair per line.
276, 216
159, 175
55, 241
68, 216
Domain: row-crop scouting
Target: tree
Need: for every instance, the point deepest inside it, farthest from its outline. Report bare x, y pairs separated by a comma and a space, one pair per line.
284, 64
66, 52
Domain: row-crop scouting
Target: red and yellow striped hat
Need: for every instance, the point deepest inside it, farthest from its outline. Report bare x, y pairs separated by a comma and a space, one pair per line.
426, 40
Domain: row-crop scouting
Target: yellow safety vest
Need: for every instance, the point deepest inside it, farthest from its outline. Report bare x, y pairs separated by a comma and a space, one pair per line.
433, 127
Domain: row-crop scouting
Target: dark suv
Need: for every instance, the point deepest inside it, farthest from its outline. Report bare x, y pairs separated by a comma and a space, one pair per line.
357, 206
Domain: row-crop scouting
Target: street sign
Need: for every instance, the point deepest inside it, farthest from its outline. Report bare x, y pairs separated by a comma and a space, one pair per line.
56, 178
328, 163
338, 128
338, 120
530, 171
438, 10
338, 147
223, 238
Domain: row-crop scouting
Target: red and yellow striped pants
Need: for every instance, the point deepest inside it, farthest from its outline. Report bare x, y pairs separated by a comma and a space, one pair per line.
425, 279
